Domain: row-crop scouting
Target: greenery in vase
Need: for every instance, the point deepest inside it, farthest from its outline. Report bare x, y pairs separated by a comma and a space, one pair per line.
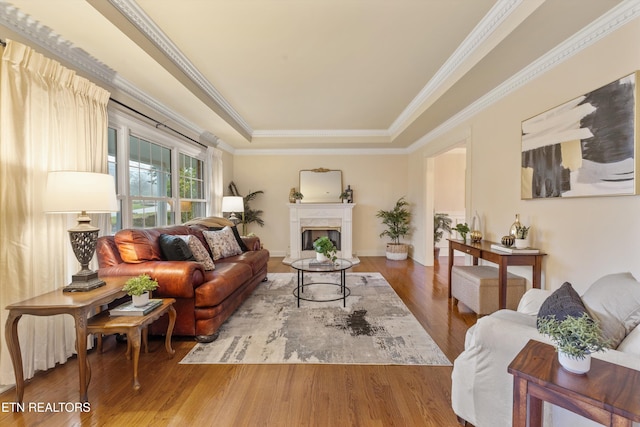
522, 232
139, 285
297, 195
574, 336
441, 223
397, 220
326, 247
344, 195
463, 229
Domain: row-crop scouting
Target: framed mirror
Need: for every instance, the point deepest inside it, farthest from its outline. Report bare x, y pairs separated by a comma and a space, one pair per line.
321, 185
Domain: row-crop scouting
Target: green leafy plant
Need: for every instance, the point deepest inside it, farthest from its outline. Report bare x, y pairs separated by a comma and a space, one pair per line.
249, 215
139, 285
297, 195
463, 229
344, 195
522, 232
441, 223
326, 247
397, 220
574, 336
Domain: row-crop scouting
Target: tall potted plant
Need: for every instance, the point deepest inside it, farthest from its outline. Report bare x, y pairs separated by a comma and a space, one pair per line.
249, 215
441, 223
398, 222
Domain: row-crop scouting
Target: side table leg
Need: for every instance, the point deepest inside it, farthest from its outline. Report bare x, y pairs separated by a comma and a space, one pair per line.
11, 336
519, 415
134, 336
81, 347
172, 322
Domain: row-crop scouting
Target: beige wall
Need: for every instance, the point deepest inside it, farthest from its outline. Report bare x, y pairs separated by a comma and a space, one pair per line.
585, 238
377, 181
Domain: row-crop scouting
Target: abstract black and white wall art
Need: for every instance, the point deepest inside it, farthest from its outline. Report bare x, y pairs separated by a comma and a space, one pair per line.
585, 147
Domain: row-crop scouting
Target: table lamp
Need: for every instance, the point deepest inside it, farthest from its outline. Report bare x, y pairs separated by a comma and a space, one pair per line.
233, 204
83, 193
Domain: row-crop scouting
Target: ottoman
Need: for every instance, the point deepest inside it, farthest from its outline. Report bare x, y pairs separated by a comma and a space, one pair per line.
476, 286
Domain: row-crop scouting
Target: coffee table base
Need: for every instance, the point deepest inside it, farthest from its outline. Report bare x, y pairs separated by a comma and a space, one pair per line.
299, 290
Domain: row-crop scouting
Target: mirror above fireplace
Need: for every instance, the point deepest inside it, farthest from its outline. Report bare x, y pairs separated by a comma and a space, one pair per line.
321, 185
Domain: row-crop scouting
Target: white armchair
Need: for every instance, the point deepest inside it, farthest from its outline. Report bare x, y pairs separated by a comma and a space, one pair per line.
482, 389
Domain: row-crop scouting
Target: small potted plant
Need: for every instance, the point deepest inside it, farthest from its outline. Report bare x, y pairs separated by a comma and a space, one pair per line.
139, 288
398, 222
325, 249
522, 232
575, 338
344, 196
441, 223
297, 196
463, 229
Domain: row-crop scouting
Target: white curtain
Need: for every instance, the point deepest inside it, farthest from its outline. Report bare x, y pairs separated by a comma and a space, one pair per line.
50, 119
214, 178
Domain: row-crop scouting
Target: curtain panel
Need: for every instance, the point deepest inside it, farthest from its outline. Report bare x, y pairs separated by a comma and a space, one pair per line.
50, 119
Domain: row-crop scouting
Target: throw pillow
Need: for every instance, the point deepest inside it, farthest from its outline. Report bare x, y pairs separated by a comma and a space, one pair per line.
223, 243
175, 249
236, 234
199, 251
615, 301
563, 302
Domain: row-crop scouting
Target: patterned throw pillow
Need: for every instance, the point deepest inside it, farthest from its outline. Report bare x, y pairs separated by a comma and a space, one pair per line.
223, 243
563, 302
199, 251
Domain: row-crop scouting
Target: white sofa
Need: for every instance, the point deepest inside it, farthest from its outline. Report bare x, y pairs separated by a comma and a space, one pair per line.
482, 389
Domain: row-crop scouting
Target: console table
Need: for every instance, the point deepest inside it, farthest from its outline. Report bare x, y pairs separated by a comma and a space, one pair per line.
607, 394
77, 304
484, 251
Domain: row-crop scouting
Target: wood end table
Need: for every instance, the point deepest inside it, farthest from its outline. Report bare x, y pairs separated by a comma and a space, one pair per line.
607, 394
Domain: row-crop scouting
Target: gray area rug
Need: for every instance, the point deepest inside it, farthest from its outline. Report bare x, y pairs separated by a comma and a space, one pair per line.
374, 328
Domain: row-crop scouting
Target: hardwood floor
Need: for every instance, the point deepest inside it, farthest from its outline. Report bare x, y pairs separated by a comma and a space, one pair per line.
262, 395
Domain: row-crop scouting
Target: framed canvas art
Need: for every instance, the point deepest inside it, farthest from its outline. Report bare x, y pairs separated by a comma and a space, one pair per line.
584, 147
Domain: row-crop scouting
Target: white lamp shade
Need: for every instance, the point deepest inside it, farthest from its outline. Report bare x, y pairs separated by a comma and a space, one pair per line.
73, 191
232, 204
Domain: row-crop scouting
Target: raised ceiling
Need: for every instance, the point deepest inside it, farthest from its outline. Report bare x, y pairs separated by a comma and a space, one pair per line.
297, 74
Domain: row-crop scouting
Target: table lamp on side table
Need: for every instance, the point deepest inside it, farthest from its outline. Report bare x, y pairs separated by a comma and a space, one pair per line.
83, 192
233, 204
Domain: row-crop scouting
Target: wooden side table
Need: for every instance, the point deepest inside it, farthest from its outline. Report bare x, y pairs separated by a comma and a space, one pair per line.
607, 394
77, 304
134, 327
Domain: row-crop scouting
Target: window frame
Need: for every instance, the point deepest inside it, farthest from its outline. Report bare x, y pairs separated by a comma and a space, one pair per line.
126, 125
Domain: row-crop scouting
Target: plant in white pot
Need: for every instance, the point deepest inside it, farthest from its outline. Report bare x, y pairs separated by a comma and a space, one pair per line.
325, 249
522, 234
139, 288
575, 338
398, 222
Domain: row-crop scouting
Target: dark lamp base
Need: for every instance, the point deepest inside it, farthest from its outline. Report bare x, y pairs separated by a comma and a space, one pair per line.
84, 281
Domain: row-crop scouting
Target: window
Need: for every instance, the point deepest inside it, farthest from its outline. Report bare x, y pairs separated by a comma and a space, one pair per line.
160, 179
191, 182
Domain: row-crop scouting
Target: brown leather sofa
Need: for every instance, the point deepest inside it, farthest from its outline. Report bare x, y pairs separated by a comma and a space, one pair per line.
204, 299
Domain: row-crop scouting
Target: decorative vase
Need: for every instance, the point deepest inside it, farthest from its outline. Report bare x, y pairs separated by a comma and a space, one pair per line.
573, 364
321, 257
521, 243
515, 225
140, 300
292, 199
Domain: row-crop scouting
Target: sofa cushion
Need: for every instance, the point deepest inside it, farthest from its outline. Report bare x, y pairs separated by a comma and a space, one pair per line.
199, 251
254, 259
175, 249
563, 302
142, 245
223, 243
615, 301
631, 343
221, 283
236, 233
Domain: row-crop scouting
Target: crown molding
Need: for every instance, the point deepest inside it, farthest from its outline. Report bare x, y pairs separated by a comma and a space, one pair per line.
144, 24
611, 21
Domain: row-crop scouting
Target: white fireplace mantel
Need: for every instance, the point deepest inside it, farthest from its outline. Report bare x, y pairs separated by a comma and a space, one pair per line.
303, 215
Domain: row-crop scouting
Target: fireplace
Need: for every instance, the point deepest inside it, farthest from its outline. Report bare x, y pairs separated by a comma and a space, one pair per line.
308, 221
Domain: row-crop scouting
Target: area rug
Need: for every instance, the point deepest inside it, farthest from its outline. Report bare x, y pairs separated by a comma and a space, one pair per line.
375, 327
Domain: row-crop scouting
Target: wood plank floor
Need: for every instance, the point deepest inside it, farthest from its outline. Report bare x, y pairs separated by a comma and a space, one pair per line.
263, 395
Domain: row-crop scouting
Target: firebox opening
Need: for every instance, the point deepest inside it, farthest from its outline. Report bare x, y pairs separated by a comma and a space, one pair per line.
309, 235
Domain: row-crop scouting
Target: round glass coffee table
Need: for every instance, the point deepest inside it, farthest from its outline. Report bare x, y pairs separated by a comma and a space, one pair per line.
311, 265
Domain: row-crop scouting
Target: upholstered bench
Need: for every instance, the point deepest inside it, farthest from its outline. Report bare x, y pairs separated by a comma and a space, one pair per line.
476, 286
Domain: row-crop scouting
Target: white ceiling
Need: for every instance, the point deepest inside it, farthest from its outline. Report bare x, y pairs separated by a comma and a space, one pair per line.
295, 74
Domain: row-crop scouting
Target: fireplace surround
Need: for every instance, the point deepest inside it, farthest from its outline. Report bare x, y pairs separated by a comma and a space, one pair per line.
335, 219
